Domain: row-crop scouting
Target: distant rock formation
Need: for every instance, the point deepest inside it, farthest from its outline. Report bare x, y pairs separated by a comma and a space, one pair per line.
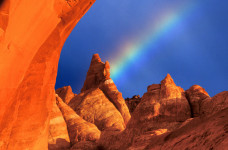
98, 73
133, 102
163, 106
32, 33
163, 102
165, 117
98, 76
162, 120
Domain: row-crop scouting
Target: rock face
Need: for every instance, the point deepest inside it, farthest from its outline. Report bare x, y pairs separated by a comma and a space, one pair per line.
85, 145
195, 96
163, 102
98, 73
58, 135
78, 129
30, 46
215, 104
98, 76
93, 106
65, 93
201, 133
163, 106
132, 102
202, 104
162, 120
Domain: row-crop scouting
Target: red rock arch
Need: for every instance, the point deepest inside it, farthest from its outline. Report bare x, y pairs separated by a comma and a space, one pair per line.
32, 34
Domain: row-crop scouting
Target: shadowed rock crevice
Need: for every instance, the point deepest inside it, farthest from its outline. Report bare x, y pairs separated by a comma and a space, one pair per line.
190, 105
195, 96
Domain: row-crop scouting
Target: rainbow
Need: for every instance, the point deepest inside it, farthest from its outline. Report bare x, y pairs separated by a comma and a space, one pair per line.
129, 52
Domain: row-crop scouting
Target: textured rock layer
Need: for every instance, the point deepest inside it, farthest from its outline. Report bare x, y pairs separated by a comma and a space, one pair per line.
32, 34
98, 76
65, 93
58, 134
93, 106
163, 106
195, 96
78, 129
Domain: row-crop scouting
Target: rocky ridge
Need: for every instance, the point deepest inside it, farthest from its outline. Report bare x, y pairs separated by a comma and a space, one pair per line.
165, 117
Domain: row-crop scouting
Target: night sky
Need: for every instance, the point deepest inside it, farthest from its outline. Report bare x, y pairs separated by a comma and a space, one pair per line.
145, 40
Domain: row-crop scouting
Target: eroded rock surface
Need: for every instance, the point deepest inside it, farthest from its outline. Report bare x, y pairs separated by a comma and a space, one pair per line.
65, 93
93, 106
163, 103
78, 128
195, 96
163, 106
210, 132
215, 104
98, 76
32, 34
58, 134
132, 102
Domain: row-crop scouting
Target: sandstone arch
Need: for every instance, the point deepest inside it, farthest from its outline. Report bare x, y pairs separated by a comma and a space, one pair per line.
32, 34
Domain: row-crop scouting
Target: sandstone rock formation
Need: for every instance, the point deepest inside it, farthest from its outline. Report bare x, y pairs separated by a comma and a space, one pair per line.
163, 102
162, 120
85, 145
93, 106
98, 76
58, 134
65, 93
215, 104
98, 73
132, 102
32, 34
163, 106
195, 96
201, 133
78, 129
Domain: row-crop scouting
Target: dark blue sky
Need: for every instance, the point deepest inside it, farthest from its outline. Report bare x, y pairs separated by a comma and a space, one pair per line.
194, 51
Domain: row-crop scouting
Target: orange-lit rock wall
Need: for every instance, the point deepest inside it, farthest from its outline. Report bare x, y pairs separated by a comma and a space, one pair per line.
32, 34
